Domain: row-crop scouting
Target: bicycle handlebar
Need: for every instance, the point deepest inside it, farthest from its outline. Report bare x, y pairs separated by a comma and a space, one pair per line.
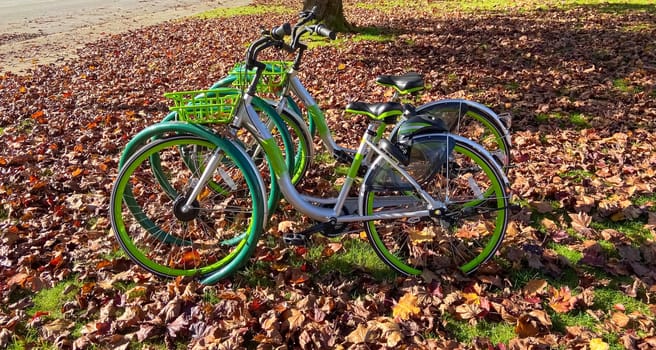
325, 31
275, 37
279, 33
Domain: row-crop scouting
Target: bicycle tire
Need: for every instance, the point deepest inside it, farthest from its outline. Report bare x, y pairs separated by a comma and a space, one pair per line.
472, 224
159, 236
279, 129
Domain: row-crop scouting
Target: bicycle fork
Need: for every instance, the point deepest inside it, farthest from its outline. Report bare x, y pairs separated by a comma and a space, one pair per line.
205, 177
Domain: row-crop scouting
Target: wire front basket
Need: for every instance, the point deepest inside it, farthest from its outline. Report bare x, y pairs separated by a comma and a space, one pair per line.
273, 77
205, 106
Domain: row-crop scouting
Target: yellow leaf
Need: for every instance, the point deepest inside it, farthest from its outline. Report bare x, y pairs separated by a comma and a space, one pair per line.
341, 66
561, 300
471, 298
406, 307
77, 172
423, 236
598, 344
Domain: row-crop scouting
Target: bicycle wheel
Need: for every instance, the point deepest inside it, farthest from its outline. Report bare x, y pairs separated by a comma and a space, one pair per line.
303, 146
154, 228
471, 223
473, 121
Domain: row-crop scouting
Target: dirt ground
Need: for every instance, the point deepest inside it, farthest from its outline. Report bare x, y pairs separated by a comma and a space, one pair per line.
34, 32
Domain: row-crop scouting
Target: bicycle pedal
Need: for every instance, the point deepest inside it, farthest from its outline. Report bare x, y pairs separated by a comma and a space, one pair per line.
295, 239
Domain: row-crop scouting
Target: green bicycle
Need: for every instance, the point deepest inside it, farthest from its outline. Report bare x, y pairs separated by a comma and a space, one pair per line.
444, 205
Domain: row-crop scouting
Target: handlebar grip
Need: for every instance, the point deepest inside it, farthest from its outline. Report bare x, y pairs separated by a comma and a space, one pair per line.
279, 33
325, 32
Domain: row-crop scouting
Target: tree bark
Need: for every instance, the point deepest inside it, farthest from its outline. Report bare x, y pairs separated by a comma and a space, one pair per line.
331, 13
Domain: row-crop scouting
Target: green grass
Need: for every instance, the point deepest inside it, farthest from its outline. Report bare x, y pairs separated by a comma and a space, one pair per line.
373, 34
31, 340
645, 199
244, 11
51, 300
624, 85
437, 7
639, 27
496, 332
577, 175
355, 254
114, 254
565, 251
634, 230
579, 120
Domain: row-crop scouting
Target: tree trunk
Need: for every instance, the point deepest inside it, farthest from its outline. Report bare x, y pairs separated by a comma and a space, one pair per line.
331, 13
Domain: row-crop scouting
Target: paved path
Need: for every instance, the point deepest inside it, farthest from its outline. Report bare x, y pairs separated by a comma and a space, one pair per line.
49, 31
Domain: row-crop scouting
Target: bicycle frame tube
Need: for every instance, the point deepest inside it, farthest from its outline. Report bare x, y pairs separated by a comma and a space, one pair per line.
315, 114
248, 118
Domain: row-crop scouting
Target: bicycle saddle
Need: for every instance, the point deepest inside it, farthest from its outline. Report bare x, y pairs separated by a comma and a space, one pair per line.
406, 83
386, 112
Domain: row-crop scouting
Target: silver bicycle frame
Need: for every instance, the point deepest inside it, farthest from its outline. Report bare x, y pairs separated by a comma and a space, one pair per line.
296, 88
248, 118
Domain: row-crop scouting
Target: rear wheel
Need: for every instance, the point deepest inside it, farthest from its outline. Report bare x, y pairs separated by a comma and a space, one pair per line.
159, 232
475, 122
471, 223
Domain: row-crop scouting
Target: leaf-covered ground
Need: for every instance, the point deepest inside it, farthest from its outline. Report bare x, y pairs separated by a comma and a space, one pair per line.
577, 269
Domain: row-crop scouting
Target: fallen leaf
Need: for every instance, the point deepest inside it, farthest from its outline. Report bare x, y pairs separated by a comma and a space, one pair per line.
359, 335
406, 307
598, 344
535, 287
561, 299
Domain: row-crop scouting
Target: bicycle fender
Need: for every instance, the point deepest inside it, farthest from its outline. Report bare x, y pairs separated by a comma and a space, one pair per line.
466, 105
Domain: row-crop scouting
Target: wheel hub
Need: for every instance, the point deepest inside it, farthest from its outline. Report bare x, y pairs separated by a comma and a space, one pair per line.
182, 214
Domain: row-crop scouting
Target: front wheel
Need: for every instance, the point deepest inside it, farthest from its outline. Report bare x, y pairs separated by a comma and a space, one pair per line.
161, 233
470, 224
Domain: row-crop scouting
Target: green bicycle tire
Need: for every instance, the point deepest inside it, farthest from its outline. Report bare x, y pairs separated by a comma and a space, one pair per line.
474, 192
206, 239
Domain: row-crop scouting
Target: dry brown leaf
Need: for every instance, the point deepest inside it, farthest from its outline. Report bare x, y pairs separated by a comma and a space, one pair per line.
549, 224
295, 318
543, 207
620, 319
535, 287
526, 327
581, 222
360, 335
